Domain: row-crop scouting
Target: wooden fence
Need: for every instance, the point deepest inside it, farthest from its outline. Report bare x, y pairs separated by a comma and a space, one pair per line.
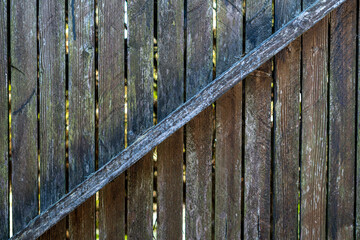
275, 157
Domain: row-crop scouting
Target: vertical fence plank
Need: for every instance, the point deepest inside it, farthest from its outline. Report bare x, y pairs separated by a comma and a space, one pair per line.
24, 112
357, 200
257, 126
52, 108
286, 128
342, 122
170, 96
81, 111
228, 163
314, 130
140, 115
4, 119
199, 130
111, 114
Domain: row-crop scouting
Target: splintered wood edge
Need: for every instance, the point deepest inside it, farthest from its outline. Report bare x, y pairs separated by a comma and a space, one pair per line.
157, 134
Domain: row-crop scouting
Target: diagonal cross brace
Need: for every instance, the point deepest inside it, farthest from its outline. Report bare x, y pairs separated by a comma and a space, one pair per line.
182, 115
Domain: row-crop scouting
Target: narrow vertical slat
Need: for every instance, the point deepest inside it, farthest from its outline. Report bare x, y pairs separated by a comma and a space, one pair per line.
170, 96
4, 120
81, 111
24, 112
199, 131
228, 161
140, 115
111, 114
257, 126
52, 108
314, 134
286, 128
342, 86
357, 200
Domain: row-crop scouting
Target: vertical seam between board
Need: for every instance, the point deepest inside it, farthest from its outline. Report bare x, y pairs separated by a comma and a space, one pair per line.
356, 118
66, 108
96, 114
38, 103
184, 131
10, 225
155, 119
125, 112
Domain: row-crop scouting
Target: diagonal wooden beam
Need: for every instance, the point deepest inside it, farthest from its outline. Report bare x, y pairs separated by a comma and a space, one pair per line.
178, 118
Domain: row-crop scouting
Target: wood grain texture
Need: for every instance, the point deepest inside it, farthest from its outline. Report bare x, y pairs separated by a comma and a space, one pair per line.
111, 114
170, 40
52, 108
357, 206
24, 112
257, 126
314, 131
228, 158
81, 111
199, 131
4, 120
286, 128
140, 115
342, 126
182, 115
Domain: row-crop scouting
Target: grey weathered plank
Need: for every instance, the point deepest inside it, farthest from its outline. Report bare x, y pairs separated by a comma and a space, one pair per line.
357, 213
140, 115
199, 131
4, 120
111, 114
52, 108
257, 126
228, 158
342, 126
286, 128
187, 111
314, 130
170, 96
24, 112
81, 111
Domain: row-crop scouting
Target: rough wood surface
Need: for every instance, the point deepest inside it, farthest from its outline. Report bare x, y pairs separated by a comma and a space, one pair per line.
228, 163
257, 126
286, 128
187, 111
199, 131
4, 120
111, 114
342, 126
52, 108
170, 40
314, 131
357, 216
24, 112
81, 111
140, 115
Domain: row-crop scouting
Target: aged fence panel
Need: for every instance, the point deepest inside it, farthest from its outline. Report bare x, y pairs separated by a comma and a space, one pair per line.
81, 111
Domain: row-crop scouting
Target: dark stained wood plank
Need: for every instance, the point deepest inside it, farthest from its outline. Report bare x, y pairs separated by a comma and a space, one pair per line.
52, 108
357, 186
257, 126
111, 114
199, 131
183, 114
228, 158
286, 128
140, 115
24, 112
170, 40
4, 120
81, 111
342, 126
314, 130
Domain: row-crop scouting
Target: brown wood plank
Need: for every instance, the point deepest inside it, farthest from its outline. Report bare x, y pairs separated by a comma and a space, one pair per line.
229, 111
4, 120
81, 111
314, 130
170, 95
286, 128
24, 112
257, 126
199, 131
182, 115
111, 114
140, 115
340, 218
